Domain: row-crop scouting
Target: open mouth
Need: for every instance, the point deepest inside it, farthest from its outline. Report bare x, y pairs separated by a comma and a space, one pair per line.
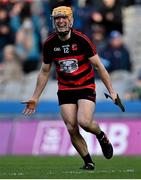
61, 27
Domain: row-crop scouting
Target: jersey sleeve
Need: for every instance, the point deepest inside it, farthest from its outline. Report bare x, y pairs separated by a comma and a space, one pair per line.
46, 53
89, 47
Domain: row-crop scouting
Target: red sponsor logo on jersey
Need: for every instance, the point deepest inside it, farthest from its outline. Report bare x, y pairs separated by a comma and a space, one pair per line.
74, 47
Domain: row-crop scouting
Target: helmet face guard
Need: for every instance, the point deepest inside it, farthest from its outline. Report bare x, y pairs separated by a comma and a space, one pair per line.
62, 11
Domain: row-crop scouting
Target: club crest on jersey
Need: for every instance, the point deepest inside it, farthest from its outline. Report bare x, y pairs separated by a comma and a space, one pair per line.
74, 47
69, 65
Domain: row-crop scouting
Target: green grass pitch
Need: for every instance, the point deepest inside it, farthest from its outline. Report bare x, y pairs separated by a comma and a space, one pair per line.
54, 167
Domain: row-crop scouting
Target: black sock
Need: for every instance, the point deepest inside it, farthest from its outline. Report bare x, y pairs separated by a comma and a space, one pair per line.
99, 136
87, 159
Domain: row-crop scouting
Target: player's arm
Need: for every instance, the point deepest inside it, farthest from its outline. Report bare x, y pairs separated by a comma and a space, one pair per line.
41, 80
95, 60
40, 85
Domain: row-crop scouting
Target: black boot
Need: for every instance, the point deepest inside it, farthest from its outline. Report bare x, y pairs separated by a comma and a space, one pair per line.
105, 144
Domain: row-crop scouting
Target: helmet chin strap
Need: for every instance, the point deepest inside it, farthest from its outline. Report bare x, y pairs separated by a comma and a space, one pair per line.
63, 34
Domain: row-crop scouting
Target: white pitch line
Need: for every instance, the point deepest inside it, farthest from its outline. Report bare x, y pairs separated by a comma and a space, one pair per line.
114, 171
101, 171
12, 173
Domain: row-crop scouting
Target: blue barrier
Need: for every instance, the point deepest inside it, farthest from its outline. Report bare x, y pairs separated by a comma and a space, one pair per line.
45, 107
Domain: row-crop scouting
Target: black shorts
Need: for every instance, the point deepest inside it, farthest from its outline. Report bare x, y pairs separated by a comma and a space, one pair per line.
72, 96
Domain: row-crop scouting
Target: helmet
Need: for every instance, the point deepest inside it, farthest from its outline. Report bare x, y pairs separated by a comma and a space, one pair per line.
63, 11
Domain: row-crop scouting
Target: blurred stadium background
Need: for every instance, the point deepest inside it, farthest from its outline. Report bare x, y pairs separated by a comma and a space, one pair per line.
114, 26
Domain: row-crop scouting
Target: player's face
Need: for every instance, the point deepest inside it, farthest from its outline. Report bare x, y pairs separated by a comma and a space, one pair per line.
62, 24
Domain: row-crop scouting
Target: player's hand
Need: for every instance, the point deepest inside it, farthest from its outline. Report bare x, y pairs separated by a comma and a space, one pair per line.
116, 100
113, 96
30, 107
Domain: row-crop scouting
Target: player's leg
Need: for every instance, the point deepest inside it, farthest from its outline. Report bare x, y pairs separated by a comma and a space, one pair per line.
85, 116
85, 119
69, 114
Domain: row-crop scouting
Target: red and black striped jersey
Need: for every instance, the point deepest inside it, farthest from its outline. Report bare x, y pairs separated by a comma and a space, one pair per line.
74, 70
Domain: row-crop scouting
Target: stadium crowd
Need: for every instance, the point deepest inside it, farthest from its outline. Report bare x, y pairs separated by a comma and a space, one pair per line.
24, 25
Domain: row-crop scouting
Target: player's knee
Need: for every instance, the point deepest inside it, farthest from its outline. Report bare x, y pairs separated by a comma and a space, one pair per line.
85, 124
72, 129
